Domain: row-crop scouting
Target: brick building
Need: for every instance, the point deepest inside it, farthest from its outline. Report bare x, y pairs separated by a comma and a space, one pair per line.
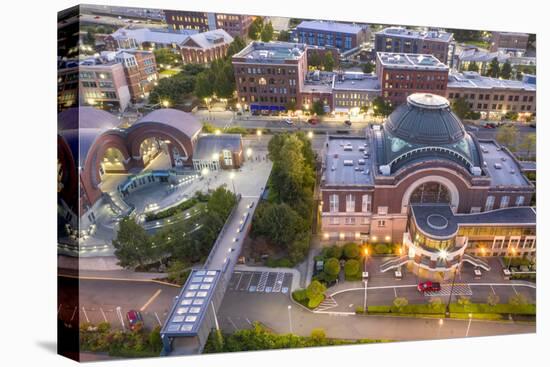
494, 97
343, 36
353, 91
141, 72
509, 41
203, 48
402, 40
270, 76
235, 25
422, 181
403, 74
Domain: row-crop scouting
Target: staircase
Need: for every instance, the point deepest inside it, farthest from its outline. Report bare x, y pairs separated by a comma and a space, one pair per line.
394, 263
476, 261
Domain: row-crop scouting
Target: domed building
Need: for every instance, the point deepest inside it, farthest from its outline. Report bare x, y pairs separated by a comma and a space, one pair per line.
423, 182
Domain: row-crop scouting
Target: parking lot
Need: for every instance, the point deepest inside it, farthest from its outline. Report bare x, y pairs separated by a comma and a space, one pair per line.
260, 282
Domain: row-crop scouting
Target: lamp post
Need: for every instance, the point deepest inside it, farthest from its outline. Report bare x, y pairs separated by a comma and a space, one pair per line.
249, 153
205, 172
290, 318
443, 255
513, 251
232, 177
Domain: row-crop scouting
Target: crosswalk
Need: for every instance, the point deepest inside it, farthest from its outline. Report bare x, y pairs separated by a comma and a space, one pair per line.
261, 282
327, 303
458, 290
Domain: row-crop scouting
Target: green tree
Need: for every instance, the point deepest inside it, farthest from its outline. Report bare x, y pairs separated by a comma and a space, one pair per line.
318, 335
132, 244
351, 250
381, 107
334, 251
328, 62
204, 85
400, 302
506, 72
518, 300
155, 341
528, 144
221, 202
165, 56
267, 32
315, 293
178, 271
494, 68
255, 28
332, 267
236, 46
508, 135
472, 66
224, 86
461, 107
351, 268
368, 67
493, 299
318, 108
284, 36
278, 222
314, 59
172, 89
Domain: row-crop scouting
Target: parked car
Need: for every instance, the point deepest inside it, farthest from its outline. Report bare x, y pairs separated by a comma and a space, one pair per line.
134, 318
429, 287
490, 125
313, 121
289, 122
347, 122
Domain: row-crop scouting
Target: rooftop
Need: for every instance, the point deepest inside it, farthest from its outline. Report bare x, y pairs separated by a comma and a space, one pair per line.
503, 169
476, 55
142, 35
356, 81
408, 33
208, 145
328, 26
471, 79
410, 61
208, 39
271, 51
439, 220
346, 161
192, 303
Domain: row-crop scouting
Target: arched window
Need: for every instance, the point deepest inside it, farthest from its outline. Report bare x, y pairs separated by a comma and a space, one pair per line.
430, 192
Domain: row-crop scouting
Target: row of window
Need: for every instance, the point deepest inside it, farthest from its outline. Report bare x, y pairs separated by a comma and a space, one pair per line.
496, 97
366, 204
95, 75
436, 86
418, 76
263, 71
504, 202
268, 90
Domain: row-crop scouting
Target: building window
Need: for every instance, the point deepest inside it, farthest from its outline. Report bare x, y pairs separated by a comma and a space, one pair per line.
334, 220
504, 201
520, 200
490, 203
333, 203
381, 223
350, 203
367, 203
350, 220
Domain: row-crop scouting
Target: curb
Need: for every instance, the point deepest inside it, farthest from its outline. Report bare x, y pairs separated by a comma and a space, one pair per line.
119, 279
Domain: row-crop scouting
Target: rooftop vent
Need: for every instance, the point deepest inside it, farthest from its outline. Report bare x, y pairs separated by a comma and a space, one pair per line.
348, 162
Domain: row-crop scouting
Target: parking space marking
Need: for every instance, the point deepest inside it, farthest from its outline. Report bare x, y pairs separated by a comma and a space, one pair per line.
85, 314
493, 289
250, 281
514, 288
74, 312
395, 292
158, 319
239, 282
153, 297
247, 320
232, 323
103, 313
458, 290
278, 282
261, 283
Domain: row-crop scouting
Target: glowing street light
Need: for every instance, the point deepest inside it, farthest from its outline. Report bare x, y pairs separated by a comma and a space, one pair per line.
232, 177
165, 103
249, 152
217, 132
310, 134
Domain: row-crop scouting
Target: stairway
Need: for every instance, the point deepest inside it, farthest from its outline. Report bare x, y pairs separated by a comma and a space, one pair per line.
476, 261
394, 263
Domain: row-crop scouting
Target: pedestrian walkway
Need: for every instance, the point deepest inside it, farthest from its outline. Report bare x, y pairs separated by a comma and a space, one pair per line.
327, 304
458, 290
261, 281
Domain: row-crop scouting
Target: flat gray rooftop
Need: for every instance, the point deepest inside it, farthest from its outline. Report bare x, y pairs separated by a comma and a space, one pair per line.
343, 161
408, 33
502, 168
474, 80
271, 51
329, 26
410, 61
365, 82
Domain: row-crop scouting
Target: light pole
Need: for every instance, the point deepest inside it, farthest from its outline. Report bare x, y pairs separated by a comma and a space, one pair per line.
249, 153
513, 250
232, 177
205, 172
290, 318
443, 255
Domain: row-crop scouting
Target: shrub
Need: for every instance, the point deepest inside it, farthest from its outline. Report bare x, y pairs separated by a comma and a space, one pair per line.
299, 295
382, 249
315, 301
435, 302
332, 266
334, 251
318, 334
463, 301
351, 250
493, 299
518, 300
359, 310
400, 302
351, 269
103, 327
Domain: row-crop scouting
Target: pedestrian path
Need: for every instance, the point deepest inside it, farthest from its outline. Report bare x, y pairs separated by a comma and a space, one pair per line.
327, 304
458, 290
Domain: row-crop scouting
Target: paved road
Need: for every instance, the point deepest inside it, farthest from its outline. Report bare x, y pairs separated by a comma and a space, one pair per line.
240, 308
99, 300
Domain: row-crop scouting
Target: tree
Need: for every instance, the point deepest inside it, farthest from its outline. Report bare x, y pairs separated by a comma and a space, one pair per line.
368, 67
284, 36
506, 72
267, 32
463, 301
494, 68
315, 293
318, 108
351, 250
511, 115
177, 271
351, 268
132, 244
255, 28
400, 302
472, 66
314, 59
155, 341
508, 135
334, 251
528, 144
381, 107
236, 46
493, 299
173, 89
328, 62
165, 56
332, 267
518, 300
461, 107
204, 85
318, 335
279, 223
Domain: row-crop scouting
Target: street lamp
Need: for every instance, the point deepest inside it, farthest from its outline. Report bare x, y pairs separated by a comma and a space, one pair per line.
290, 318
513, 250
249, 153
205, 172
310, 134
232, 177
165, 103
443, 255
